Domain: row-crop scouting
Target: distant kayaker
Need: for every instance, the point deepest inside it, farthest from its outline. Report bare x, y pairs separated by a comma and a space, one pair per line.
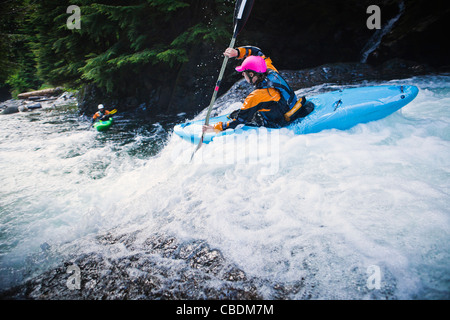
101, 114
272, 104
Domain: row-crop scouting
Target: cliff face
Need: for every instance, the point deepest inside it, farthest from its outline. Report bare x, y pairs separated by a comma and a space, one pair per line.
299, 35
303, 34
418, 35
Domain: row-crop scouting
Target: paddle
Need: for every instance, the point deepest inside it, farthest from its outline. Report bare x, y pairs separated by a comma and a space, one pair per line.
242, 11
110, 113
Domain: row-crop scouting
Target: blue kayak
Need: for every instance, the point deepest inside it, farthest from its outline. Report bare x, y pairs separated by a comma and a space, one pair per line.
341, 109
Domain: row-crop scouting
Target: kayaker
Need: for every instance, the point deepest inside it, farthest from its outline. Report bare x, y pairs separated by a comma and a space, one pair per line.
272, 104
101, 114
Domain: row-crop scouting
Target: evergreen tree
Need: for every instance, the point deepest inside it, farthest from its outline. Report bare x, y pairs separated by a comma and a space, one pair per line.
121, 45
17, 59
7, 26
117, 42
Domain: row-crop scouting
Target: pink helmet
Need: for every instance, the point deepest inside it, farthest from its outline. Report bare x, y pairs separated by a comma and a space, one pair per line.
253, 63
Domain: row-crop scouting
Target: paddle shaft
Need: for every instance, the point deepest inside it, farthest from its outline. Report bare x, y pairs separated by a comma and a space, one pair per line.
241, 13
216, 89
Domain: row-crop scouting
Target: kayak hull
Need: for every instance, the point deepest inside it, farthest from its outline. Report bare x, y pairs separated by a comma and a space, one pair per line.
341, 109
103, 125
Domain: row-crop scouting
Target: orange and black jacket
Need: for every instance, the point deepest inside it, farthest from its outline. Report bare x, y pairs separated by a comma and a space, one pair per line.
271, 99
99, 115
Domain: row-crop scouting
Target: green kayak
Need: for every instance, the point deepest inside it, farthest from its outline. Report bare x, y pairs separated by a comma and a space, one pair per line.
103, 125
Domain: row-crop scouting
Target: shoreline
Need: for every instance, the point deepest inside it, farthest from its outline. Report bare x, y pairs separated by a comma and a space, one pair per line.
30, 104
333, 73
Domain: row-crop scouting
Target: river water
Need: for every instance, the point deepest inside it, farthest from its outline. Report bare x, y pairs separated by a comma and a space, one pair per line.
356, 214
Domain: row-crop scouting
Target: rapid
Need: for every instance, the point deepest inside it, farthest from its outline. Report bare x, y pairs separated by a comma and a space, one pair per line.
356, 214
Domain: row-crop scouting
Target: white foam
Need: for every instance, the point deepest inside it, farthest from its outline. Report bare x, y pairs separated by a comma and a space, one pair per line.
337, 203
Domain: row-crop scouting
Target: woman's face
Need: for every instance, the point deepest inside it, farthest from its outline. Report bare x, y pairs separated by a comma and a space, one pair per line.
249, 77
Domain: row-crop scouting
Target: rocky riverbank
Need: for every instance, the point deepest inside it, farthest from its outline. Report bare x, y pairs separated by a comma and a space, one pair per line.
161, 267
36, 102
333, 73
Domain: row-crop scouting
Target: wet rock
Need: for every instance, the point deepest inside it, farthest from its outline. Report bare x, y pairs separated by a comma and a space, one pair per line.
417, 35
160, 267
65, 99
38, 102
10, 110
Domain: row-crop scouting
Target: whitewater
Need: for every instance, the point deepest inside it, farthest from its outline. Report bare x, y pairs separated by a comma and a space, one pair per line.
355, 214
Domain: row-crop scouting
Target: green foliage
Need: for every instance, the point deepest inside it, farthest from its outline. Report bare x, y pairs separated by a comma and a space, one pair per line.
116, 44
166, 6
7, 35
17, 60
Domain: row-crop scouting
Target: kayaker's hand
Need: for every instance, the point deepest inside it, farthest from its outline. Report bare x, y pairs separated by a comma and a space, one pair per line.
208, 128
231, 53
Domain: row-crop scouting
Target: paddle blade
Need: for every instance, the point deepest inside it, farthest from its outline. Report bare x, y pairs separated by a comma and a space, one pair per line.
198, 147
242, 11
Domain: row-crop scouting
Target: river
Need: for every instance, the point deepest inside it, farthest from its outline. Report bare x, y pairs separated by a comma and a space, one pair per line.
356, 214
